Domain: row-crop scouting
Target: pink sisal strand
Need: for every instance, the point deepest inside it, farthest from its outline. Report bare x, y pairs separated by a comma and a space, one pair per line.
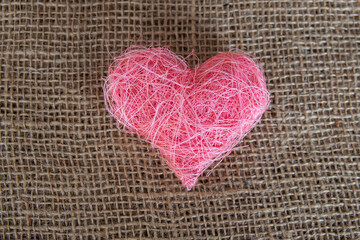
194, 117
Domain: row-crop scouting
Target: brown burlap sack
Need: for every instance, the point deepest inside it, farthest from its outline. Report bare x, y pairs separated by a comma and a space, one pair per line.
67, 172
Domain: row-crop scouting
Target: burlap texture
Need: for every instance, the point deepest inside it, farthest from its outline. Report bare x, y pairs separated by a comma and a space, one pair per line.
67, 172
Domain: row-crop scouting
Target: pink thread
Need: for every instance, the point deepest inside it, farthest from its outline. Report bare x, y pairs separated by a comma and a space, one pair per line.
194, 117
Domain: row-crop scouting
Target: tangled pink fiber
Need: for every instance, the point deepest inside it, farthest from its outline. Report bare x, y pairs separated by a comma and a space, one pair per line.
194, 117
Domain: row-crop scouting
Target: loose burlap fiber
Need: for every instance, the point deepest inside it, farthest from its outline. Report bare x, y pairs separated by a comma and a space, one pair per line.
67, 172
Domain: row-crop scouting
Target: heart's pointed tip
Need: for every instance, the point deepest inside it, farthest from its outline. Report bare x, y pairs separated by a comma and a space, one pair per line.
189, 183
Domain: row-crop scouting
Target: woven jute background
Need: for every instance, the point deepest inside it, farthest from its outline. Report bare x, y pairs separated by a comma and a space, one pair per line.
66, 171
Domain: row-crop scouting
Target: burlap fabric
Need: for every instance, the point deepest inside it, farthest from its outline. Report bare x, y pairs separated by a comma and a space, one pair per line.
67, 172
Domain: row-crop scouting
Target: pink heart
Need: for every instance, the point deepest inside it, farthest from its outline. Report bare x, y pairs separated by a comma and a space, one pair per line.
194, 117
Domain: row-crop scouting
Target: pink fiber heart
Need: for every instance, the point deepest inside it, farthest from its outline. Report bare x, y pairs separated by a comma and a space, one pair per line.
194, 117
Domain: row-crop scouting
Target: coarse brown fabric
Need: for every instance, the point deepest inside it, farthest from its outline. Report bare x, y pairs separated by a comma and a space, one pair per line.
67, 172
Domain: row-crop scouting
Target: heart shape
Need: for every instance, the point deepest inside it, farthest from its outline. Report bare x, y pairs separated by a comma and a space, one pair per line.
194, 117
